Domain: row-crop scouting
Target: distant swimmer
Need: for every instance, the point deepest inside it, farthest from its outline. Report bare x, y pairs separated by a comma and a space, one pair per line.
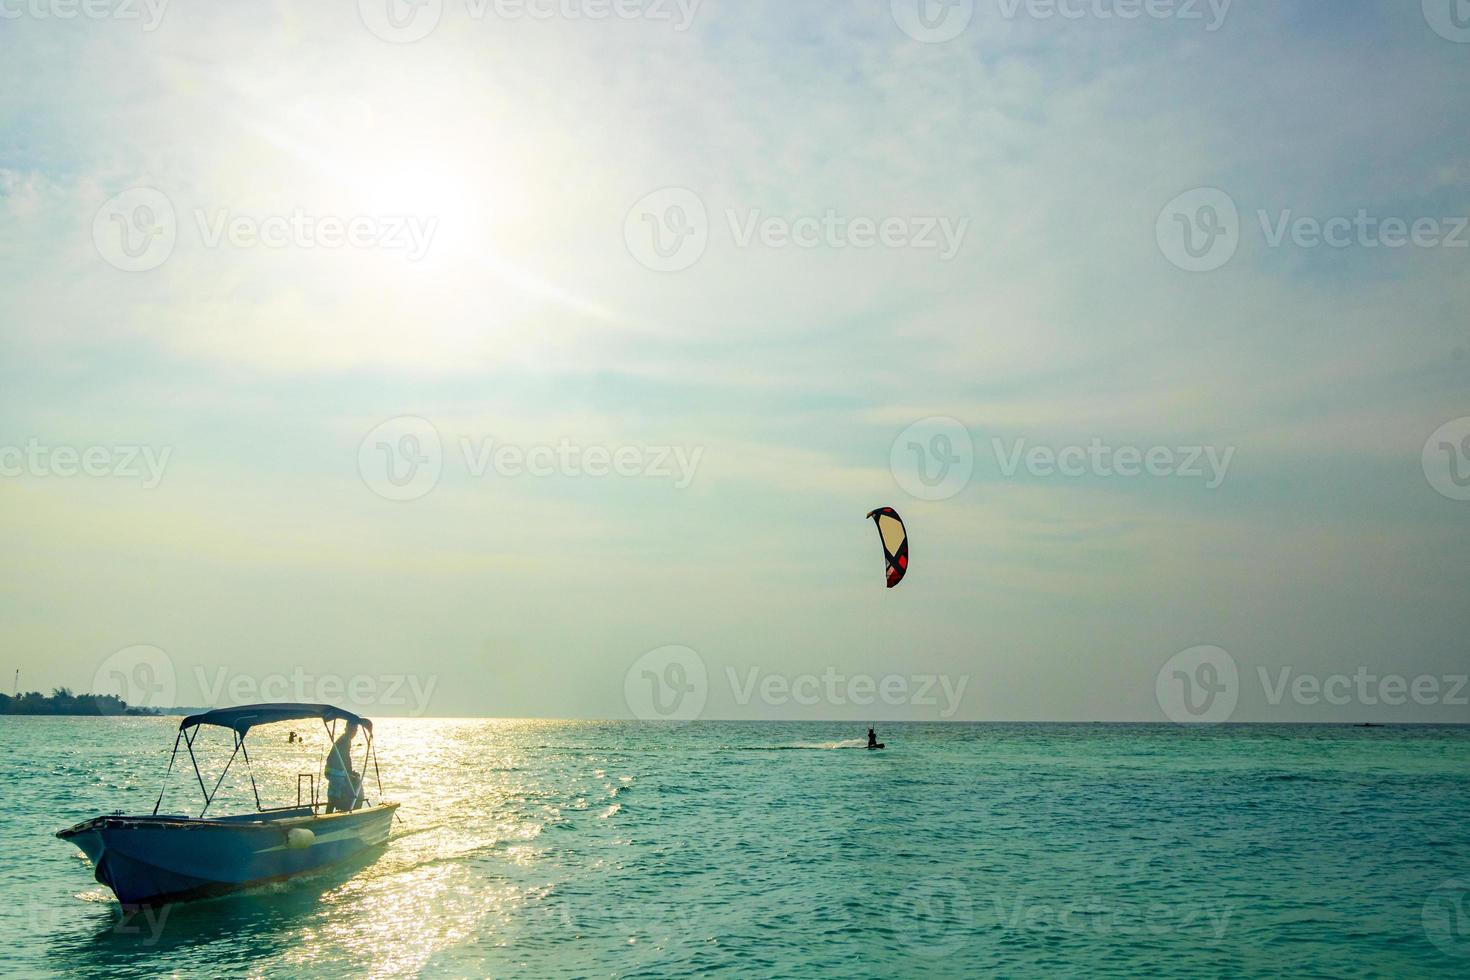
873, 742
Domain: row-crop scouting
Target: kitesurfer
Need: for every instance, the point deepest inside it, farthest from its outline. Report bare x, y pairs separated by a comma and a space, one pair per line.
872, 739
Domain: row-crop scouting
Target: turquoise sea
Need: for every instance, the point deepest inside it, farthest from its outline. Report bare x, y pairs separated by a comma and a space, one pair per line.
552, 849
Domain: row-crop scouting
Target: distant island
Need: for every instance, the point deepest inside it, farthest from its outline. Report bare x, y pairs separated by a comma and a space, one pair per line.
62, 701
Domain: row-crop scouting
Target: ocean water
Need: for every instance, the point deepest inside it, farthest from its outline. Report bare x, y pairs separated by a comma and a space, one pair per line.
547, 849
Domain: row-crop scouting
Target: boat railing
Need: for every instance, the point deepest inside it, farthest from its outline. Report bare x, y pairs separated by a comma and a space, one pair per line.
310, 777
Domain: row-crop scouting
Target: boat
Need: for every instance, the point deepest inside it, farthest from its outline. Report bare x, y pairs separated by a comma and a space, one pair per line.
153, 859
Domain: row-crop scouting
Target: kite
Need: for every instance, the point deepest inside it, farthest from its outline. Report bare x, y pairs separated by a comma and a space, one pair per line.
895, 539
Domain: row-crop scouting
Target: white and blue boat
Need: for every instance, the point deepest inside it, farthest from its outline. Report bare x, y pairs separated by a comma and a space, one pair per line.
151, 859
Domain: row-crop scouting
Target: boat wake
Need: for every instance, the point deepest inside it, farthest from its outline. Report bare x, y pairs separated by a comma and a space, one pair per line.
850, 743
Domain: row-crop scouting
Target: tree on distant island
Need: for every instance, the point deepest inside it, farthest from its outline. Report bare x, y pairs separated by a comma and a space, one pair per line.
63, 702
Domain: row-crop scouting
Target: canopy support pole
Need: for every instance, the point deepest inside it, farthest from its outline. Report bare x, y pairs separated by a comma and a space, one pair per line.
373, 752
210, 797
189, 741
172, 755
250, 768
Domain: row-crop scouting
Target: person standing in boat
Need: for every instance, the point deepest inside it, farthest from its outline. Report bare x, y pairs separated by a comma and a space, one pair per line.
342, 782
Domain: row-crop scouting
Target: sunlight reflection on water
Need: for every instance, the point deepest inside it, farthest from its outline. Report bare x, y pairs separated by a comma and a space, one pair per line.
549, 848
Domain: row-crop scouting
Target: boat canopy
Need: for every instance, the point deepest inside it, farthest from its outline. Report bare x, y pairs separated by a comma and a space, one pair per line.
246, 717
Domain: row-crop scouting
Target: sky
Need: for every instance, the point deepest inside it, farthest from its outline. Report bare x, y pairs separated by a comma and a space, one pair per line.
542, 358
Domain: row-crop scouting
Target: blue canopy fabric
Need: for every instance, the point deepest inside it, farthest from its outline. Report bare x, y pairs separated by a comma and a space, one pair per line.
246, 717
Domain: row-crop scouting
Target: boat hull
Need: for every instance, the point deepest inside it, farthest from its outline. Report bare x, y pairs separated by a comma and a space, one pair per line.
148, 860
